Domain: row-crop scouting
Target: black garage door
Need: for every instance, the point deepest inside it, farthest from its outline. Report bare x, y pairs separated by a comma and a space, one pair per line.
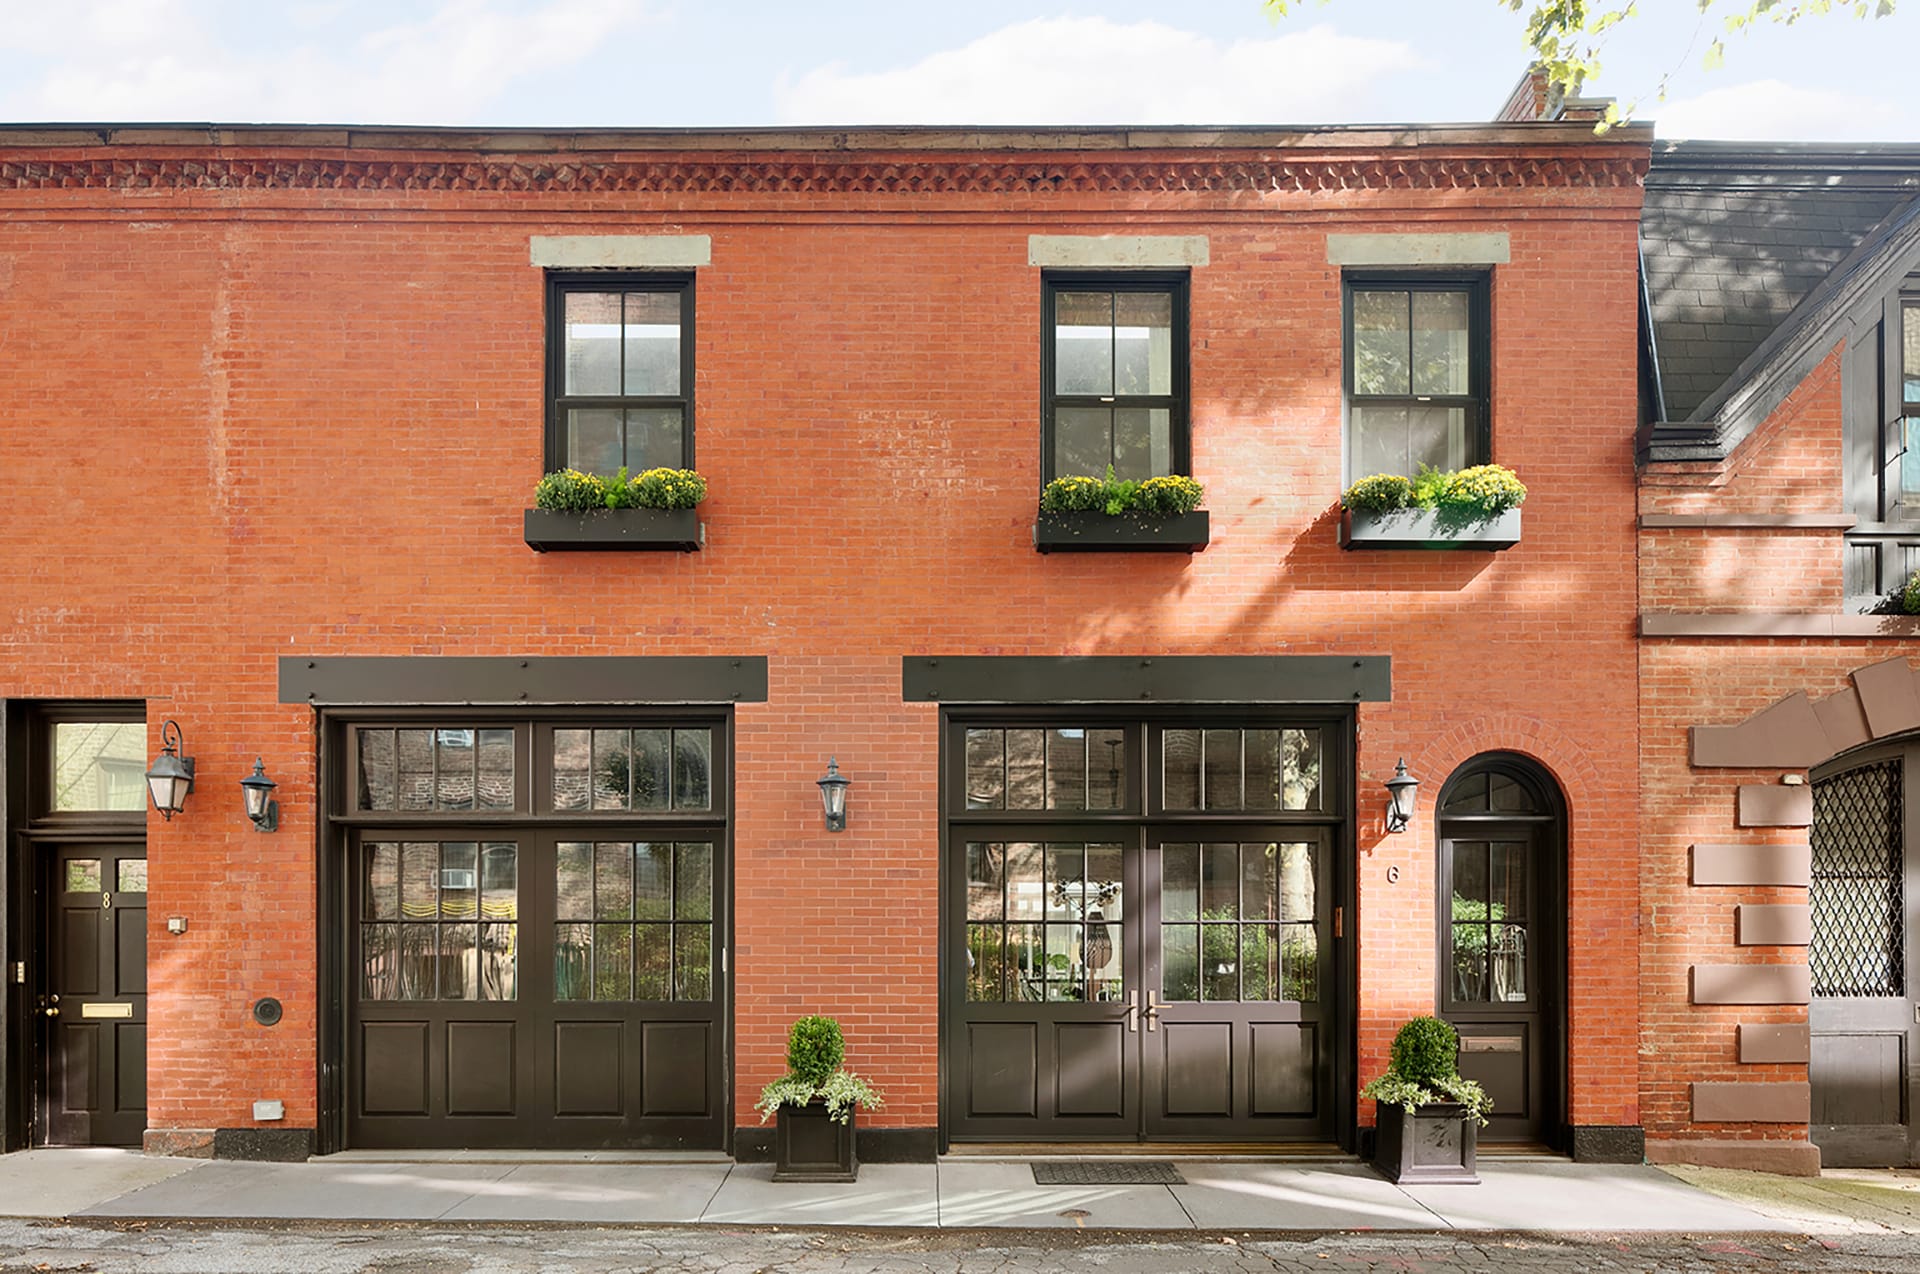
549, 976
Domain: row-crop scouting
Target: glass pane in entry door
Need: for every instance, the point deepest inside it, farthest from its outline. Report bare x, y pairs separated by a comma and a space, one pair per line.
1238, 921
1044, 921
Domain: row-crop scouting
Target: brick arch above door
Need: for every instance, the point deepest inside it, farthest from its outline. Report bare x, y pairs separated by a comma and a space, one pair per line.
1881, 700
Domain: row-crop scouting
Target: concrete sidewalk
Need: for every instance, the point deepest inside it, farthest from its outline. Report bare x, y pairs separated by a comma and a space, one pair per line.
1517, 1195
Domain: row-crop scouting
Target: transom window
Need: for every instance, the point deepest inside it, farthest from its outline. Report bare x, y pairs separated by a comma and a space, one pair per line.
1416, 374
621, 373
1114, 376
99, 765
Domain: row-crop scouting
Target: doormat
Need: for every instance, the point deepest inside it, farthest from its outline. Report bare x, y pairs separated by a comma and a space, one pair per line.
1108, 1172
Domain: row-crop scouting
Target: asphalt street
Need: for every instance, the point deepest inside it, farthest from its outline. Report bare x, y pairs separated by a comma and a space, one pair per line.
181, 1248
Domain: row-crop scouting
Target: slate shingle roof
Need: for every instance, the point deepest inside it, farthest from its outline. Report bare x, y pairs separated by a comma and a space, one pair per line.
1734, 236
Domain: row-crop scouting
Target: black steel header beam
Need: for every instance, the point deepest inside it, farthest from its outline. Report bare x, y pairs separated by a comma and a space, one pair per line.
1147, 679
400, 680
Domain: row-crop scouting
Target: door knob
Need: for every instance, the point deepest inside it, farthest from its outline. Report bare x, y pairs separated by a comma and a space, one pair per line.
1152, 1011
51, 1012
1133, 1012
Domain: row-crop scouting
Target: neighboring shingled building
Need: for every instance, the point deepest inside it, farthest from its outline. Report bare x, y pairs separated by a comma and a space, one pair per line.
1779, 499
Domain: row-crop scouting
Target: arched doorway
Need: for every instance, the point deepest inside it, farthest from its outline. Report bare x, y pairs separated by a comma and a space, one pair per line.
1502, 940
1865, 876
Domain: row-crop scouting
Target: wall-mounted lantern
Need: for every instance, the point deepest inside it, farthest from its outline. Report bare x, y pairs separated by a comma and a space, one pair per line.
1401, 790
171, 776
257, 788
833, 796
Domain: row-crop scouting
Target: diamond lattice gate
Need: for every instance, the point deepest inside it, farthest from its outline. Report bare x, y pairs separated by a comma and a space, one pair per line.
1862, 1016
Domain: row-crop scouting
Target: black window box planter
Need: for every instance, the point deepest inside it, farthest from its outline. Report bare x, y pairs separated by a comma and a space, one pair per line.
1435, 1145
615, 529
1122, 533
1427, 529
811, 1145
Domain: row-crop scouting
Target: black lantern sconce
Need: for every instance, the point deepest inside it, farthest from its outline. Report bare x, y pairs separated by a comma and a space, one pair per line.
1401, 790
833, 796
171, 777
257, 788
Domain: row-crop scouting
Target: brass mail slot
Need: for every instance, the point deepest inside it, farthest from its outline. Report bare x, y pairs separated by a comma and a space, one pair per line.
106, 1010
1491, 1043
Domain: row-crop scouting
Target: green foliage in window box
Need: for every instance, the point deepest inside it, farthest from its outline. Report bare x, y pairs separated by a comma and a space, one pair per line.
1380, 493
815, 1049
573, 491
1169, 494
1483, 491
1910, 595
1425, 1070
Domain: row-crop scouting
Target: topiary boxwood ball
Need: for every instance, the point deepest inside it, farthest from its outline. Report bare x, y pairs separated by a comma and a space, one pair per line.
1426, 1049
815, 1049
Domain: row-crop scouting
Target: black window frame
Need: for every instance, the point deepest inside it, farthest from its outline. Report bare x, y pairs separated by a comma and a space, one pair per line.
1177, 284
1478, 400
559, 286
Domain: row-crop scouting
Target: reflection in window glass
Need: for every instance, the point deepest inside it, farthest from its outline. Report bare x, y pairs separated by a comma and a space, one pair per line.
132, 873
1239, 921
1240, 769
451, 768
83, 875
652, 908
458, 906
1045, 922
645, 769
99, 765
1062, 768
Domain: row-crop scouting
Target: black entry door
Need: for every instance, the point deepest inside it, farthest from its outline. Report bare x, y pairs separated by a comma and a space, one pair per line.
93, 1009
533, 990
1493, 974
1116, 990
1235, 1044
1863, 1016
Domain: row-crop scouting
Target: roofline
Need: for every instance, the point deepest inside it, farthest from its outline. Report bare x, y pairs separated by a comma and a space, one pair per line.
1776, 367
956, 138
1786, 165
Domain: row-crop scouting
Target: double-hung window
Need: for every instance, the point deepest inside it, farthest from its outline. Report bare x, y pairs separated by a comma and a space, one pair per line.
1114, 375
620, 372
1883, 466
1416, 374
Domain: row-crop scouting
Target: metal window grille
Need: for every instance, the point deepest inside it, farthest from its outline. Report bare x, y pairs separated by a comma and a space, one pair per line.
1859, 938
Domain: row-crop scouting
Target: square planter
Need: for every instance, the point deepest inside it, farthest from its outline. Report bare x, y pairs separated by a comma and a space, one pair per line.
1435, 1145
1122, 533
549, 530
811, 1145
1427, 529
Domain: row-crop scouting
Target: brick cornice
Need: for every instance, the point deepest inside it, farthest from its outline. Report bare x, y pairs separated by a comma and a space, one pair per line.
784, 174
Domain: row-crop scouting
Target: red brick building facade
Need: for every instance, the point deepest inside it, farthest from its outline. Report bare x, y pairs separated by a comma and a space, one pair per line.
277, 402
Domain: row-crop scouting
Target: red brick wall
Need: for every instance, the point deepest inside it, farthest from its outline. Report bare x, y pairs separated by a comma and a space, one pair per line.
249, 423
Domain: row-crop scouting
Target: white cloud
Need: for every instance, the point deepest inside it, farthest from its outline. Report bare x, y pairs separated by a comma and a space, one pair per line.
1770, 110
130, 60
1093, 71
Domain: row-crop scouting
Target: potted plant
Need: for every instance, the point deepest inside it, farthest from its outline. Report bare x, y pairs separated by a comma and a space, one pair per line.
814, 1105
655, 510
1477, 508
1087, 514
1428, 1118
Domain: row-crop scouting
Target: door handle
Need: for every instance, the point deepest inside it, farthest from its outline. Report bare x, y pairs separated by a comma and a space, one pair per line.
1152, 1011
1133, 1012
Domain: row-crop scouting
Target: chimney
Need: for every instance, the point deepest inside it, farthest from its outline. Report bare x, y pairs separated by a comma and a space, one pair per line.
1534, 100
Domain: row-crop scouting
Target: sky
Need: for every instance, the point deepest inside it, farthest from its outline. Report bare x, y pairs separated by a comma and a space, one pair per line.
736, 63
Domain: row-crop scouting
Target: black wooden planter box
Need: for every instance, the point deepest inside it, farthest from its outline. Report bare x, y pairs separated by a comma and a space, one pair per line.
614, 529
1122, 533
1435, 1145
1427, 529
811, 1145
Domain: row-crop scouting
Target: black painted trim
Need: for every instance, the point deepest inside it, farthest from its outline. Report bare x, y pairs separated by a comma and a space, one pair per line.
614, 530
399, 680
754, 1144
1103, 533
263, 1145
1609, 1143
1056, 679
